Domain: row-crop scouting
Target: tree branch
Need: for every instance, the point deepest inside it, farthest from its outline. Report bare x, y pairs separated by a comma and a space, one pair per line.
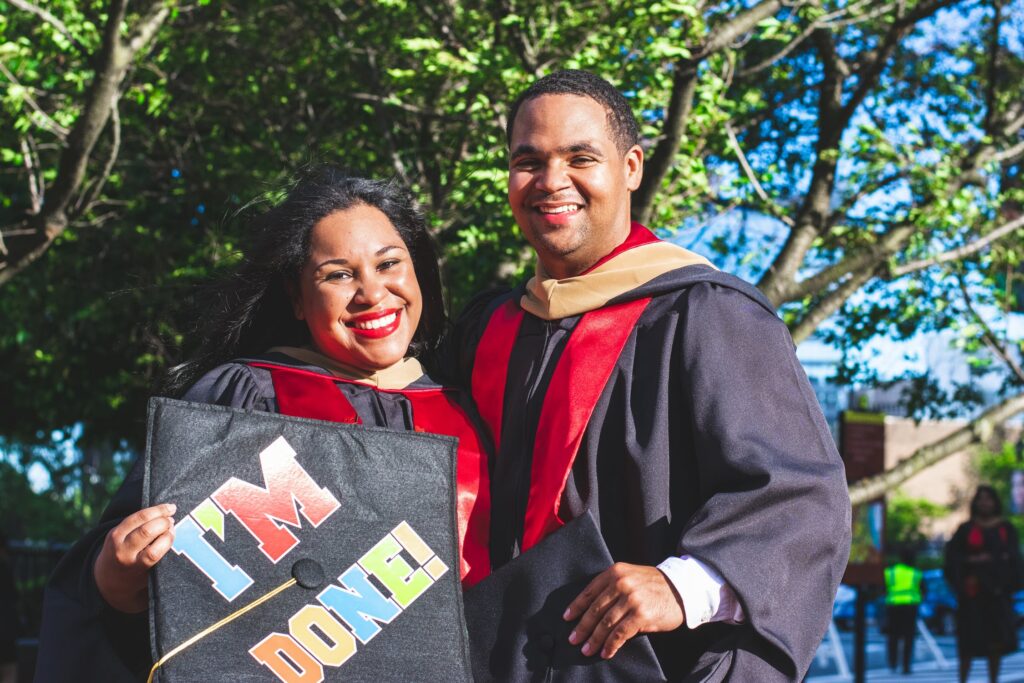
89, 197
113, 61
773, 208
684, 85
829, 304
989, 335
53, 21
34, 185
973, 434
816, 207
779, 281
869, 258
47, 123
960, 252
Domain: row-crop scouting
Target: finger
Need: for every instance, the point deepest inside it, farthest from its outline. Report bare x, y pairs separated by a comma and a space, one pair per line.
156, 550
593, 616
137, 519
583, 600
605, 625
627, 627
136, 541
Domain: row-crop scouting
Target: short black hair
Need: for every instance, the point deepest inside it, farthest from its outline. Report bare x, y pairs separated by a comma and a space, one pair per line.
621, 122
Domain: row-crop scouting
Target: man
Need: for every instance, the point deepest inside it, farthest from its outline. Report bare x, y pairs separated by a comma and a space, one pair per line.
632, 380
902, 599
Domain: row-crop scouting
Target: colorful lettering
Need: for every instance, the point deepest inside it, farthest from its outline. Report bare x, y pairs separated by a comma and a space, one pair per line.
209, 516
229, 580
287, 660
385, 562
359, 604
315, 632
287, 483
334, 653
419, 550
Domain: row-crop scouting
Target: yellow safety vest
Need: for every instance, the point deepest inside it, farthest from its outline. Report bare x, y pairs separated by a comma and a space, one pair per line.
902, 585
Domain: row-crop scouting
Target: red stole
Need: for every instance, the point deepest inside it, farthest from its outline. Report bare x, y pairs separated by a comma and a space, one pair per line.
580, 376
303, 393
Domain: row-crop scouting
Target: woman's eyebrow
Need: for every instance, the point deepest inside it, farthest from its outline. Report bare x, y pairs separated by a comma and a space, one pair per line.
344, 262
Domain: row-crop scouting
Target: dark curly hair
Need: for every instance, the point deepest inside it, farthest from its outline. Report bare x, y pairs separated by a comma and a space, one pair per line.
249, 310
621, 122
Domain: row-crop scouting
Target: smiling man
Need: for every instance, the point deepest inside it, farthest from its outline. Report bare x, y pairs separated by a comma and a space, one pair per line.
631, 380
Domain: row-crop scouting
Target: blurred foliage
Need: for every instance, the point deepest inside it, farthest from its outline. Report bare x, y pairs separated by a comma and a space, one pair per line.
907, 520
232, 97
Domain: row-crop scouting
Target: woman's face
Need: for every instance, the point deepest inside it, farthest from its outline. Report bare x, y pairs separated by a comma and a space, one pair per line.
357, 291
986, 504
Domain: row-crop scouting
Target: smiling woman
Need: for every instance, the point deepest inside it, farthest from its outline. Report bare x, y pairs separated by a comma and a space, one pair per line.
357, 291
338, 294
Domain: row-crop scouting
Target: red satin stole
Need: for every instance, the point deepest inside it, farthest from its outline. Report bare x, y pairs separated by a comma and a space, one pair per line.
580, 376
303, 393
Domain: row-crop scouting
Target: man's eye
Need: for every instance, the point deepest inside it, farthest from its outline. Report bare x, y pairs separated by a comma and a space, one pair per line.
582, 161
525, 165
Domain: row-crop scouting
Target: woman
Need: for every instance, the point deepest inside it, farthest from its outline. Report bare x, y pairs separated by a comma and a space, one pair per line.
982, 565
324, 318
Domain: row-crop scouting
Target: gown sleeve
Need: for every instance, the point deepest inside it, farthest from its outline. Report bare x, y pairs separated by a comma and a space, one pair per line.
774, 519
83, 638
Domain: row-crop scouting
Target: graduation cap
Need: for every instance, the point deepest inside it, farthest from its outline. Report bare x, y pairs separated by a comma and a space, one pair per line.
303, 551
514, 616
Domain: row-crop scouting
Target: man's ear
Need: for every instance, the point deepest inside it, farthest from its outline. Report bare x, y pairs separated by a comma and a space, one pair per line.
634, 167
292, 288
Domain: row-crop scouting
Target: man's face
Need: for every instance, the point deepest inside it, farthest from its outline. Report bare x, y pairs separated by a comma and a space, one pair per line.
568, 184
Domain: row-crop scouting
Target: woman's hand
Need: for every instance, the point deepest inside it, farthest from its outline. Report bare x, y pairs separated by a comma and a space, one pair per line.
129, 551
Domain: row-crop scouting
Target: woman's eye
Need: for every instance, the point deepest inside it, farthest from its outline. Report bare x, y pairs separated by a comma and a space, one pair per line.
339, 275
390, 263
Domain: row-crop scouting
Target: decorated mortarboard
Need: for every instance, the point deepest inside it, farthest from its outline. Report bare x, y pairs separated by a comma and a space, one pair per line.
514, 616
303, 550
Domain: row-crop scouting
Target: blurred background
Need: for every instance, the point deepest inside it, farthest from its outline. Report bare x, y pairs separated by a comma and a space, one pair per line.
860, 161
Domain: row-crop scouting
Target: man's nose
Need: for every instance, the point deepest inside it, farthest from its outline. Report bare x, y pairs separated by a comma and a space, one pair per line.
552, 177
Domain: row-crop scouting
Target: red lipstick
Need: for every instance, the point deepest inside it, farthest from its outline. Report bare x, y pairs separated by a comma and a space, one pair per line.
376, 332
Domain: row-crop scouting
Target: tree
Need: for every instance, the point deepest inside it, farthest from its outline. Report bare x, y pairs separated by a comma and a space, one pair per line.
892, 189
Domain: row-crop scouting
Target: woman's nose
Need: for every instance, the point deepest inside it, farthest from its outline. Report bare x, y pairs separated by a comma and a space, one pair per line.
372, 290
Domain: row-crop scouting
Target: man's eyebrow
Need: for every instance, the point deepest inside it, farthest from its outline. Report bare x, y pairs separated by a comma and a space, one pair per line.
577, 147
573, 148
523, 149
344, 262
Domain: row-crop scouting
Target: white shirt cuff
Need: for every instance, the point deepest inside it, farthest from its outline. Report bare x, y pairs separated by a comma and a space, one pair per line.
705, 594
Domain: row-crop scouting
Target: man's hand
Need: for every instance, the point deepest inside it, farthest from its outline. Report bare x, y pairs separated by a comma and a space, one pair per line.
622, 601
129, 551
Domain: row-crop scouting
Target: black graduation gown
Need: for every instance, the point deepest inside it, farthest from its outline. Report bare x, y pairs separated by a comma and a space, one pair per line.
707, 440
985, 618
82, 638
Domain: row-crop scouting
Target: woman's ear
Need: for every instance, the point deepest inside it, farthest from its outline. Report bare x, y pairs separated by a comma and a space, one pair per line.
295, 297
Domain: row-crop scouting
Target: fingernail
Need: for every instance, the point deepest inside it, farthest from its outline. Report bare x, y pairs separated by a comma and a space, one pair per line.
172, 507
606, 654
587, 649
572, 637
567, 614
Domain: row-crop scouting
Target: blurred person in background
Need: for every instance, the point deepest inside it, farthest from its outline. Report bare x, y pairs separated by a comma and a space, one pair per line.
983, 568
903, 589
